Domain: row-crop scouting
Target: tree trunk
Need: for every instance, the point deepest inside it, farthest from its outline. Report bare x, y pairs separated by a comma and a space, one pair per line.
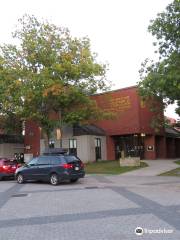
46, 139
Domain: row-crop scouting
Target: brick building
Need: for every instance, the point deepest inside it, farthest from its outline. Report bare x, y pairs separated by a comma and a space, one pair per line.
129, 131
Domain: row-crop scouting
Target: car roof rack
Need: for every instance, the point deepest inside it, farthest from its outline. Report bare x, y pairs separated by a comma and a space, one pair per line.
55, 151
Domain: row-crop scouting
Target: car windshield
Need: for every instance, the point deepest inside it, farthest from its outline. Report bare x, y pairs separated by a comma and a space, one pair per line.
33, 161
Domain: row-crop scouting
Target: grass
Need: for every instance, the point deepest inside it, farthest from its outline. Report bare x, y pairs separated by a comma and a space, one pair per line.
178, 162
109, 167
174, 172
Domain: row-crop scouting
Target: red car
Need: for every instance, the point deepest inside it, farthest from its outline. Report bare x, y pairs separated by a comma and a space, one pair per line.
7, 167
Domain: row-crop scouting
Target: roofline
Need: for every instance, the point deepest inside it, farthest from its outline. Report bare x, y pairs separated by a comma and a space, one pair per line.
116, 90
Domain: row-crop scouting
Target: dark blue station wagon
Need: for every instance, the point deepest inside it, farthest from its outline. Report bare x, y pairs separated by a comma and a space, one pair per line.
51, 168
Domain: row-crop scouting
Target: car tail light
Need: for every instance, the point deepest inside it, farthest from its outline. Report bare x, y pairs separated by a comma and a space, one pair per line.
67, 166
5, 167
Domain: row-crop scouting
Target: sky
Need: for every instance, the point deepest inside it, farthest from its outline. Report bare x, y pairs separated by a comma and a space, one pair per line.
117, 29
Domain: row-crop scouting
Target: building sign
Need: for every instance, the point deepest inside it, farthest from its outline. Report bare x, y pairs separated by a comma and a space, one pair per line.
119, 104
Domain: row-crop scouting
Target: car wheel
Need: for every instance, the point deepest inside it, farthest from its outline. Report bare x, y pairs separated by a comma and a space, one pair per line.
20, 179
74, 180
54, 179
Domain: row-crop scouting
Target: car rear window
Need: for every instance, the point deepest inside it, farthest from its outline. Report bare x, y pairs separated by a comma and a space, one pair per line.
9, 163
71, 159
58, 160
63, 159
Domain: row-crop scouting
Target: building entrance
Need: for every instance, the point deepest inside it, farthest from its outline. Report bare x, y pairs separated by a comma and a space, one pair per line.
132, 145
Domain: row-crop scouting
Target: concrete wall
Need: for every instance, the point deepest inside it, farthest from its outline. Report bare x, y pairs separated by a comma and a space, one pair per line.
86, 148
8, 149
82, 148
85, 144
42, 146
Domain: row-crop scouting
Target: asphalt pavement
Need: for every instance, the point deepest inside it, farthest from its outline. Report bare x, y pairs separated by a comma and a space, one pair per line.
98, 207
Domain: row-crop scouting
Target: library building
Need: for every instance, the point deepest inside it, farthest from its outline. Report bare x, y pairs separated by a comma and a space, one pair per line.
131, 131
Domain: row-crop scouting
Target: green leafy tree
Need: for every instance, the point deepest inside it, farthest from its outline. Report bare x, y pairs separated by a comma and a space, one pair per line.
49, 72
162, 79
10, 124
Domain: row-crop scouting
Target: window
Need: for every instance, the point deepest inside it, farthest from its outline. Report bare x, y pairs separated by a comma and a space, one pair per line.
70, 159
98, 148
57, 160
73, 146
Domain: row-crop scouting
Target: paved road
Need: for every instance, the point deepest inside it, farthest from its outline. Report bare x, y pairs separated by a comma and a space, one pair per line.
95, 208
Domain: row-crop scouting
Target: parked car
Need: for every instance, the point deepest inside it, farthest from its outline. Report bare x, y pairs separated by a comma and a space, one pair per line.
52, 168
7, 167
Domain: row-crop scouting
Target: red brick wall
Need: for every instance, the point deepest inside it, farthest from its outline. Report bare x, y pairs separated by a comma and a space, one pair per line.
147, 117
32, 138
160, 147
132, 117
149, 141
170, 145
124, 103
177, 144
110, 148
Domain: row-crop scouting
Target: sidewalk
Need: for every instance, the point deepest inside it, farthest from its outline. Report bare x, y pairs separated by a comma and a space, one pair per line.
155, 168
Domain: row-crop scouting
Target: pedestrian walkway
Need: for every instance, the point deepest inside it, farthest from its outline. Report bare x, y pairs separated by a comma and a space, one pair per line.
155, 167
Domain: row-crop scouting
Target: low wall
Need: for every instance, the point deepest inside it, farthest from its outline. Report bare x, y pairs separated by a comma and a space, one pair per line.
8, 149
130, 162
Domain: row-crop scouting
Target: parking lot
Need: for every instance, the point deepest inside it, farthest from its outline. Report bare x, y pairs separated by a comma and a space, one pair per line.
95, 208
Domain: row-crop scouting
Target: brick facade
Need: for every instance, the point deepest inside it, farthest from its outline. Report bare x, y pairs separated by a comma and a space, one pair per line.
131, 123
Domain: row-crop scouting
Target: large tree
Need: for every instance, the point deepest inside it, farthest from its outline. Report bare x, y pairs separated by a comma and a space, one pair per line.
162, 78
48, 72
